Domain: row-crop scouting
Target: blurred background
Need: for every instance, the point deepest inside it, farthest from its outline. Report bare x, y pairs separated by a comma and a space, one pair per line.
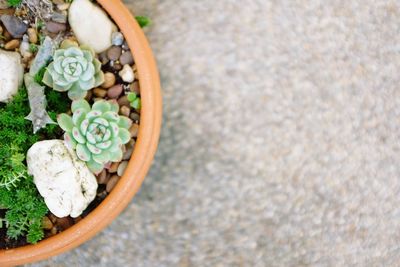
280, 143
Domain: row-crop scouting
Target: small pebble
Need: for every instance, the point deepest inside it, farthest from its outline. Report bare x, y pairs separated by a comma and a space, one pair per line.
99, 92
1, 29
103, 58
125, 45
109, 80
63, 6
127, 74
134, 87
114, 52
126, 58
134, 130
33, 37
11, 45
46, 223
128, 153
24, 47
53, 231
16, 27
58, 2
117, 38
123, 101
117, 67
125, 111
102, 178
122, 167
112, 183
55, 27
114, 167
59, 17
115, 91
64, 223
135, 117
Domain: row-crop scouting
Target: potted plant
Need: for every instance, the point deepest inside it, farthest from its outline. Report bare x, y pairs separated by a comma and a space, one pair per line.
80, 116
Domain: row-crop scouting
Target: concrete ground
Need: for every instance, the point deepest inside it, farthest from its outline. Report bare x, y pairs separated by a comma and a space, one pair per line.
280, 143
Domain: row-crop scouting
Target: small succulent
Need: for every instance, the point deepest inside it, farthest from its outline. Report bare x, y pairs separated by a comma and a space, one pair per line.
74, 69
96, 134
134, 100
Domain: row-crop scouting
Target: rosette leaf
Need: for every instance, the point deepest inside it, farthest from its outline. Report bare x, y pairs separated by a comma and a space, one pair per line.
97, 133
74, 69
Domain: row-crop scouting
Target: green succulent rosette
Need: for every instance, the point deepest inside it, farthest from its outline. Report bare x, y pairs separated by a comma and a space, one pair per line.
74, 69
96, 133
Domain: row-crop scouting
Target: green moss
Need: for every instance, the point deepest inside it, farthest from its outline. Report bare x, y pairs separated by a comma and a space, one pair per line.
14, 3
18, 194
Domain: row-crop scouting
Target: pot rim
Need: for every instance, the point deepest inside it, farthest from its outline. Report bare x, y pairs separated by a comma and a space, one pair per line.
139, 164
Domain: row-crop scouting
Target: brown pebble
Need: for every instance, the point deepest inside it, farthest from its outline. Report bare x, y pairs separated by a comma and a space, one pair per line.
102, 178
103, 58
11, 45
99, 92
123, 101
55, 27
126, 58
114, 167
64, 223
33, 37
53, 231
112, 183
135, 117
52, 217
117, 66
124, 111
46, 223
114, 52
115, 91
109, 80
134, 87
122, 167
134, 130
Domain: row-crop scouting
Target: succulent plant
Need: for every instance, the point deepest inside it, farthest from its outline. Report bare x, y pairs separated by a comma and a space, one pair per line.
96, 134
74, 69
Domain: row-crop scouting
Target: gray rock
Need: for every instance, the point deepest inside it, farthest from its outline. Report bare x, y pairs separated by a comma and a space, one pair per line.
59, 17
117, 38
11, 74
55, 27
114, 53
16, 27
126, 58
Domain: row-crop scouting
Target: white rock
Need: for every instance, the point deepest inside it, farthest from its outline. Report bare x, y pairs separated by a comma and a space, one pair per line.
64, 181
11, 74
91, 25
127, 74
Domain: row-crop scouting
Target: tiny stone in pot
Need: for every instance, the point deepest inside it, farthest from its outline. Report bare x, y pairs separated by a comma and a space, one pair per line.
114, 53
117, 38
33, 37
126, 58
55, 27
109, 80
115, 91
112, 183
127, 74
16, 27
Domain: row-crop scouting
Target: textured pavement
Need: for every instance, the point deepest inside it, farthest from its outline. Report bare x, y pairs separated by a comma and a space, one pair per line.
280, 143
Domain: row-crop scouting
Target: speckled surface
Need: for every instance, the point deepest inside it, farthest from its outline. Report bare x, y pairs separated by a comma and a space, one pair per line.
280, 142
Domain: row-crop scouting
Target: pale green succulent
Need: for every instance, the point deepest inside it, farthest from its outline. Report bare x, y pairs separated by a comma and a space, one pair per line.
74, 69
97, 134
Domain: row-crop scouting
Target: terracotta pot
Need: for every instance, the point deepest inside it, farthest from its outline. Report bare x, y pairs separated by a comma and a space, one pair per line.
139, 164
